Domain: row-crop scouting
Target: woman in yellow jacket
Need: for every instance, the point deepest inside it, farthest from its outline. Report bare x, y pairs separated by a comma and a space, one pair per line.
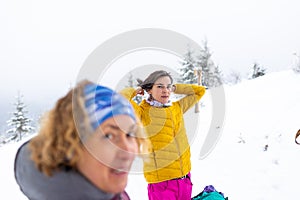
168, 169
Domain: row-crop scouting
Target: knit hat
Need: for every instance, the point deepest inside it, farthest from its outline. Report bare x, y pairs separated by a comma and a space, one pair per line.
102, 103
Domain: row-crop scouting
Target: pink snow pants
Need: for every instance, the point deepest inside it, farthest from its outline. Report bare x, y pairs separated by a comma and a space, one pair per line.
178, 189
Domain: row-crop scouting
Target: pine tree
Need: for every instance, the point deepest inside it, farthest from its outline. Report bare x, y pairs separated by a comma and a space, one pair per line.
211, 74
234, 78
257, 71
296, 65
190, 72
187, 68
202, 62
130, 80
138, 99
216, 77
241, 139
19, 122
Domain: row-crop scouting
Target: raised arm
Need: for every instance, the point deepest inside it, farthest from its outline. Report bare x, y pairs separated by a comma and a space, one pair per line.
129, 93
193, 94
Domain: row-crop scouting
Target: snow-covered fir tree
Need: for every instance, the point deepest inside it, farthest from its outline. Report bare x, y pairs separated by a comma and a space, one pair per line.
189, 72
186, 71
131, 83
216, 77
211, 74
233, 78
19, 123
200, 60
257, 71
296, 65
241, 139
130, 80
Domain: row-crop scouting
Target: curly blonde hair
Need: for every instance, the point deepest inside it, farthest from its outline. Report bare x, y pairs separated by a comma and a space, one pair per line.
59, 142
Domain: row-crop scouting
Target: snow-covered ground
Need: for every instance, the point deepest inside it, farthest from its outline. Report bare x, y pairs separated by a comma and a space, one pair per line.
260, 112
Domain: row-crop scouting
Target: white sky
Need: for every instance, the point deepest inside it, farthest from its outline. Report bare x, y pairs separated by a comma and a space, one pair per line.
44, 43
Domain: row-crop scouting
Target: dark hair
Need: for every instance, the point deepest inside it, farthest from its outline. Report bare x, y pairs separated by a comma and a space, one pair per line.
148, 83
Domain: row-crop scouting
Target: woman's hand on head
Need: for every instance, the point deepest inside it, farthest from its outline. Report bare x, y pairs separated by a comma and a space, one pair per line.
139, 90
173, 88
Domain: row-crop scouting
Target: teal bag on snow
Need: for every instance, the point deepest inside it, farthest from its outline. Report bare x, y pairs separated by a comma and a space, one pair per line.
210, 193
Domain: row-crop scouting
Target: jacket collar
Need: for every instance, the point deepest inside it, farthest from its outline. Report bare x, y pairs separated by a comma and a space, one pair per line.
158, 104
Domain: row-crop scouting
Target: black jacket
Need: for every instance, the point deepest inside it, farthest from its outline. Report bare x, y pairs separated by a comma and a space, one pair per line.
64, 185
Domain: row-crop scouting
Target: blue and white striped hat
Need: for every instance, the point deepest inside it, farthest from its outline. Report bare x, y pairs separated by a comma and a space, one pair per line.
102, 103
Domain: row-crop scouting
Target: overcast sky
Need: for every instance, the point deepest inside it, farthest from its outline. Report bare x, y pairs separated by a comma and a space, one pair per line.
44, 43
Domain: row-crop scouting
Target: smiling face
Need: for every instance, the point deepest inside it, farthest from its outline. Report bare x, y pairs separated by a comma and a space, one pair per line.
109, 154
161, 89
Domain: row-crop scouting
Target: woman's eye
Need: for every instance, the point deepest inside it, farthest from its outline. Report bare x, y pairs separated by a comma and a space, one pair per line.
159, 86
108, 136
130, 134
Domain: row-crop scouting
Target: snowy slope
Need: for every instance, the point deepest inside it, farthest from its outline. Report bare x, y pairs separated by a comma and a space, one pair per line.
262, 112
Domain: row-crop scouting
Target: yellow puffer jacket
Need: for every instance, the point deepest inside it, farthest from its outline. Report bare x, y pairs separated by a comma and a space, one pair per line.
165, 128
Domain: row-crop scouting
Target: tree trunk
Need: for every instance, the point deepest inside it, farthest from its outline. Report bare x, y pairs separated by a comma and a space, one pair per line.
197, 107
199, 74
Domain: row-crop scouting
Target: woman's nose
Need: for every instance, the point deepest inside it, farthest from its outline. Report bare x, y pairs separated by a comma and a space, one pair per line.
165, 89
126, 144
126, 149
